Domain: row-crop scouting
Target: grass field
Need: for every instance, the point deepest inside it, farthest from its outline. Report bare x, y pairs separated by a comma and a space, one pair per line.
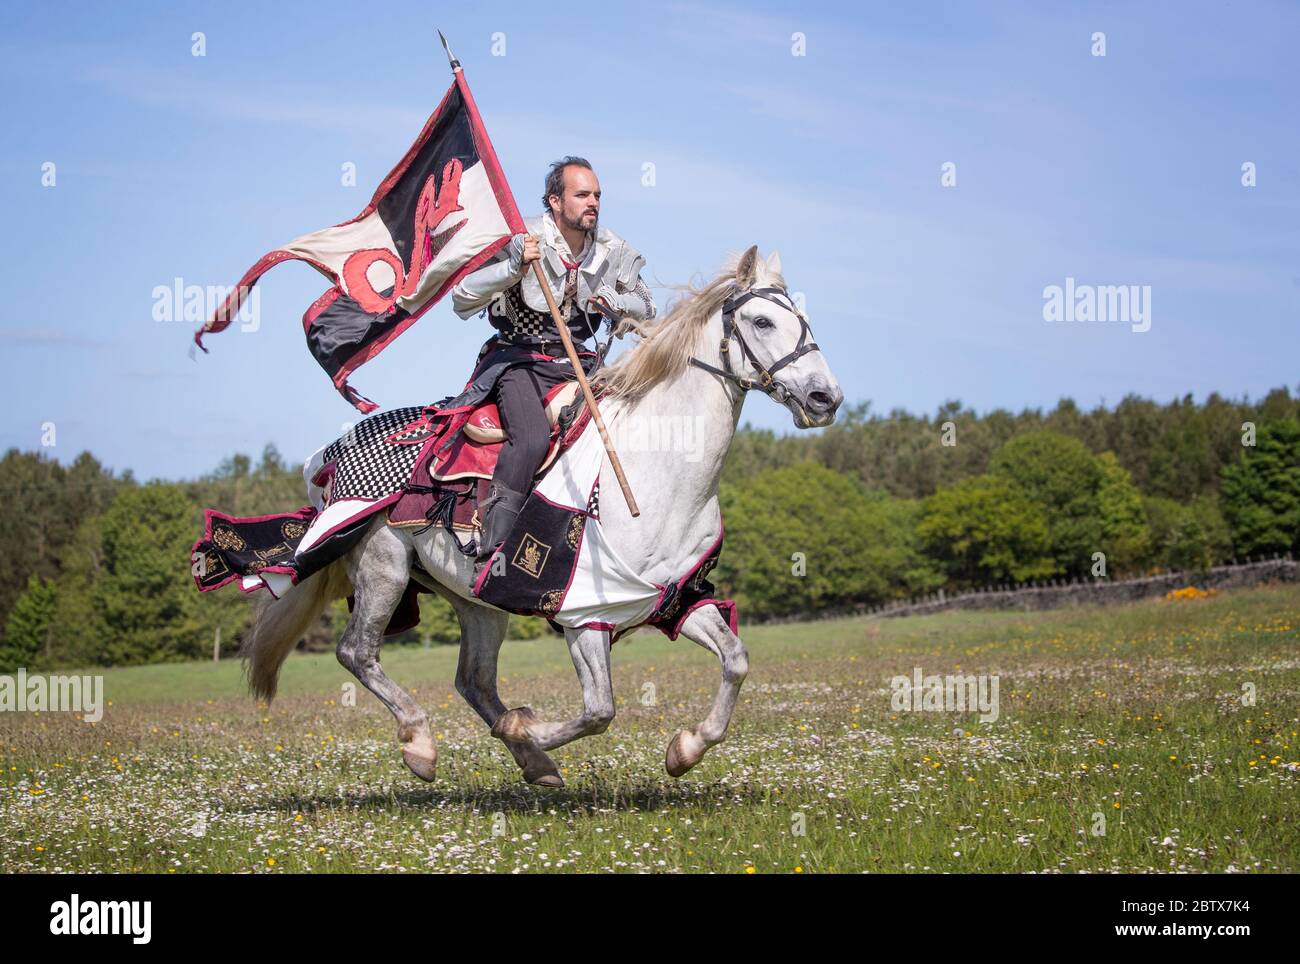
1134, 713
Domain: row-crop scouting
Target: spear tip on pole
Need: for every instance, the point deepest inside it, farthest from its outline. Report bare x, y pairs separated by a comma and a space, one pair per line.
455, 64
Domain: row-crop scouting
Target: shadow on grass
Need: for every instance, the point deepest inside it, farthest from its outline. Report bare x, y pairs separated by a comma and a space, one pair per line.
520, 798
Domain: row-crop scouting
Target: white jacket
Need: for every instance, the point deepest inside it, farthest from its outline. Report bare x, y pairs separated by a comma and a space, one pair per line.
610, 264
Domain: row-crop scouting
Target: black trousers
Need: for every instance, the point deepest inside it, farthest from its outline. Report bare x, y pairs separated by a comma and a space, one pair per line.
519, 393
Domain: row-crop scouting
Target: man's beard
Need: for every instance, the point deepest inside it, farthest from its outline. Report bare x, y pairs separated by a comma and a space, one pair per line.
577, 225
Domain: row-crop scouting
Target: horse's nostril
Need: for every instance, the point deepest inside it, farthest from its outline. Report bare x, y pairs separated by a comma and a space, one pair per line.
821, 401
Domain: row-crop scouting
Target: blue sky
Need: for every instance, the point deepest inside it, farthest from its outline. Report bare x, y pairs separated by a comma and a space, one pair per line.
1123, 169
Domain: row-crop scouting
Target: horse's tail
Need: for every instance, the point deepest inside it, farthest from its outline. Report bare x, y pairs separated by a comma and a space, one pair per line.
278, 624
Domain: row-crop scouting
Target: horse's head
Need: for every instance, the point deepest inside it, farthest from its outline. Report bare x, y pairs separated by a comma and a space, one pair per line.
768, 344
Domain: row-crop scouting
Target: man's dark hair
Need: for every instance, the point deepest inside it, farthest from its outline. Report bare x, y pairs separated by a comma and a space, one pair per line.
555, 178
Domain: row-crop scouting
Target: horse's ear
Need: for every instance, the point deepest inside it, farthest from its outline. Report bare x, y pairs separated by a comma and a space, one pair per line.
747, 269
774, 262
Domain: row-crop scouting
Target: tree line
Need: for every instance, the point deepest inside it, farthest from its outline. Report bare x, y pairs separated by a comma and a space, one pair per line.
94, 565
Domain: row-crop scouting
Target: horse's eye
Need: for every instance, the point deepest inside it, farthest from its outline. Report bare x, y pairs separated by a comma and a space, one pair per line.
761, 323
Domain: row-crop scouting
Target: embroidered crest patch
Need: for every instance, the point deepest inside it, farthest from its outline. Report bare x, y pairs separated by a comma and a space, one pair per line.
531, 555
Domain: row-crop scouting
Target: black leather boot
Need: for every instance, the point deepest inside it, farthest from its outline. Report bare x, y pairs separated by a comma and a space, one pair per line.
498, 513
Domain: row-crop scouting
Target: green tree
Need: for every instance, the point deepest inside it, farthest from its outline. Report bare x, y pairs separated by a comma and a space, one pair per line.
1125, 537
27, 630
42, 504
1062, 477
986, 530
78, 629
145, 590
797, 540
1186, 536
895, 565
1261, 491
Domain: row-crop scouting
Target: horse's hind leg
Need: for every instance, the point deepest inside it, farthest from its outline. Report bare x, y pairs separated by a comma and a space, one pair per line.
482, 631
379, 569
706, 627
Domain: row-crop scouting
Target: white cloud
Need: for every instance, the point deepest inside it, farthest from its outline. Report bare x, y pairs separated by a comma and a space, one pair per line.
233, 99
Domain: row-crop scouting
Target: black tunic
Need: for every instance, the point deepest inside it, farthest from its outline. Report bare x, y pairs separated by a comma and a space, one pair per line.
521, 325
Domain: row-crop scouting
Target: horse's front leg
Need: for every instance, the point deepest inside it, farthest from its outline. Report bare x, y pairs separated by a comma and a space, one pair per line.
707, 627
380, 569
590, 651
481, 633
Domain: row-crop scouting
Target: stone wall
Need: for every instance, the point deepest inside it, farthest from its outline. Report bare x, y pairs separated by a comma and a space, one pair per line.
1055, 593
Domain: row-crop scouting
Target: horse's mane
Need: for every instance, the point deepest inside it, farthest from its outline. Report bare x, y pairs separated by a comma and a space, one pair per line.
665, 347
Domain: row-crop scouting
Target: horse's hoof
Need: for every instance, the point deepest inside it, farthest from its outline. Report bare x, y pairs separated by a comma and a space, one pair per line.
512, 725
680, 757
540, 770
421, 757
552, 780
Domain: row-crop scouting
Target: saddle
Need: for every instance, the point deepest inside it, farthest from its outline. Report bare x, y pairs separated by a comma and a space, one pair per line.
450, 479
484, 422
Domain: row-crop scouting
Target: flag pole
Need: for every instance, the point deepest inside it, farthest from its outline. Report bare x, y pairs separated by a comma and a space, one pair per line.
569, 350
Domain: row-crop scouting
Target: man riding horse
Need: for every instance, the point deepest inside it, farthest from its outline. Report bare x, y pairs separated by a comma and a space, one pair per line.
592, 273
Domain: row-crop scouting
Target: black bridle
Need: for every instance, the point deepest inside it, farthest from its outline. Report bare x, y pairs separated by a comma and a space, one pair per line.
731, 332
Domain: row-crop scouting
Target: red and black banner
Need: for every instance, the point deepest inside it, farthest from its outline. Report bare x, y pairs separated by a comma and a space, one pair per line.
443, 212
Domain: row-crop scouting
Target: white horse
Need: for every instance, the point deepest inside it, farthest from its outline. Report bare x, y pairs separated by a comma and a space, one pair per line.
738, 332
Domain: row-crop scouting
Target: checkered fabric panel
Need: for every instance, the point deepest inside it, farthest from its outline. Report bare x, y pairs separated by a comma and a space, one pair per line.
512, 317
369, 466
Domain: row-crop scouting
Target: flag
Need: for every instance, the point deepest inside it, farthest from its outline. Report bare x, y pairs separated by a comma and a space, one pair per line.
442, 212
